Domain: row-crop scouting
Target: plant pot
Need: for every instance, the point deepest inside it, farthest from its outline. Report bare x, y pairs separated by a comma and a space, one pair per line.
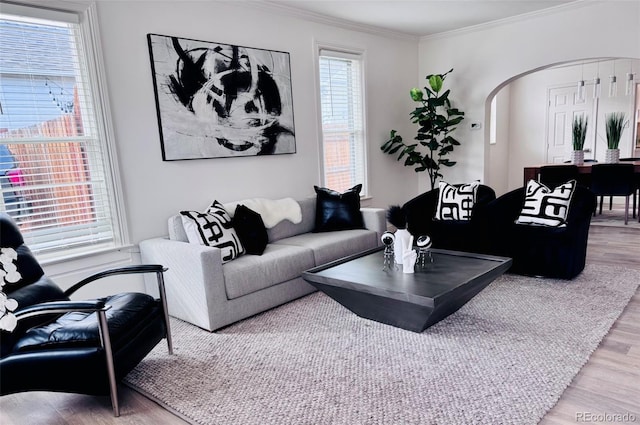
577, 157
612, 156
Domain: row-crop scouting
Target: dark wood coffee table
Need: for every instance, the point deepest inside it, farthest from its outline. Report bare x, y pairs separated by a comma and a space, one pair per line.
412, 301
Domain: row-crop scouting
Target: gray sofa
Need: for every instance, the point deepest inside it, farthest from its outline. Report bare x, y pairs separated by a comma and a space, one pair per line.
203, 291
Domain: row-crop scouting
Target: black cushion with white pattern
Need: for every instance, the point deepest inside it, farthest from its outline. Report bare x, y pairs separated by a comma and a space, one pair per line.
456, 202
213, 228
546, 207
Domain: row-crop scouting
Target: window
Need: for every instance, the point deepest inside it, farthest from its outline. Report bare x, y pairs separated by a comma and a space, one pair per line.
342, 115
55, 173
493, 124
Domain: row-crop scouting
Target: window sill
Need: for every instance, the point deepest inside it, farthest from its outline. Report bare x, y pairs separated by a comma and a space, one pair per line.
84, 253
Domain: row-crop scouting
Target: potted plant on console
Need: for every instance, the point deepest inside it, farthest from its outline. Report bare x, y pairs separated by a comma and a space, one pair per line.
579, 134
436, 119
615, 123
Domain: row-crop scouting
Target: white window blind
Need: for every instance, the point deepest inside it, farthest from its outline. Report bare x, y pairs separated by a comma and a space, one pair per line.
54, 170
342, 115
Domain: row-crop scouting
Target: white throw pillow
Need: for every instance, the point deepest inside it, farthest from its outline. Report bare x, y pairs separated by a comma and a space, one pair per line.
545, 207
456, 203
213, 228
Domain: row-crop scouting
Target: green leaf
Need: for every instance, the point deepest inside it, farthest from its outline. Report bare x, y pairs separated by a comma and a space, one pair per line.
454, 121
435, 81
416, 94
394, 150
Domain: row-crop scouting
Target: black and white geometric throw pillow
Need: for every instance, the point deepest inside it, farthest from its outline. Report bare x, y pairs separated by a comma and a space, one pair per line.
456, 203
213, 228
545, 207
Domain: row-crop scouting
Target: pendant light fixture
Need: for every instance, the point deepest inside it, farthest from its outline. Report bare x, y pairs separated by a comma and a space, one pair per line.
596, 84
628, 90
581, 87
613, 82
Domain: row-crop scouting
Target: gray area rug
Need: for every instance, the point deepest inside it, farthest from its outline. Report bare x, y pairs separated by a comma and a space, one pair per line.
615, 216
504, 358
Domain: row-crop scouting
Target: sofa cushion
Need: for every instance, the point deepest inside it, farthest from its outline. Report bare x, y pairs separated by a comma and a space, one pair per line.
250, 228
278, 263
338, 211
329, 246
545, 207
456, 202
213, 228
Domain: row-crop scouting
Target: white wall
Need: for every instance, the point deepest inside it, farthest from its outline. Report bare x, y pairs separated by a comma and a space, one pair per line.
488, 57
498, 157
155, 190
528, 113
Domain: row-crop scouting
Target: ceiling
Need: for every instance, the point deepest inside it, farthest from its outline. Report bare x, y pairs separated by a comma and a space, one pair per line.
417, 17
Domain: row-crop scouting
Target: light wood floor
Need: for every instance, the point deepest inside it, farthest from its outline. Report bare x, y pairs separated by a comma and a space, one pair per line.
608, 384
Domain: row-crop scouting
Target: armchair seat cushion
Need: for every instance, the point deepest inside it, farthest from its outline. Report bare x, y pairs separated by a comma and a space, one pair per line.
74, 330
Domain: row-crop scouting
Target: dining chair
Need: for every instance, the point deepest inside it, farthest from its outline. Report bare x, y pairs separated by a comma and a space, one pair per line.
553, 176
613, 180
636, 194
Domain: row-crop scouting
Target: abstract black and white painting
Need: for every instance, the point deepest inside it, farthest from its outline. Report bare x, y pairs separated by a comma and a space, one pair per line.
219, 100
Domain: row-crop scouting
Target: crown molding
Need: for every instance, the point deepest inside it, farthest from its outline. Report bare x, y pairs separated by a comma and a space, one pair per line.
510, 20
281, 9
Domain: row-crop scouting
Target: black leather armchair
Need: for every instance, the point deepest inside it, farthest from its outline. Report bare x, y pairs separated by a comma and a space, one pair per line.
557, 252
75, 346
464, 235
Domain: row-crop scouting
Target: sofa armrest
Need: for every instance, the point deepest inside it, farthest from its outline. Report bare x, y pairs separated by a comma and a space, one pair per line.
194, 280
375, 219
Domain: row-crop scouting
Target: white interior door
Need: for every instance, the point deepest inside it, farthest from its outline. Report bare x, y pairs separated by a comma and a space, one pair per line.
563, 107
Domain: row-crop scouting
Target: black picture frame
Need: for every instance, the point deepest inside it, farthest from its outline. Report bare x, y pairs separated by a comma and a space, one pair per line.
217, 100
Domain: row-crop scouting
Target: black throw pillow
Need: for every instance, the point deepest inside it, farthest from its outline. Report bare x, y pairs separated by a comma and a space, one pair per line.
250, 230
338, 211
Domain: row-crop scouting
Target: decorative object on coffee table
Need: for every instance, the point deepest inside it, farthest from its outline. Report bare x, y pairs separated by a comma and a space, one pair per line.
579, 133
397, 218
424, 251
615, 123
389, 262
409, 257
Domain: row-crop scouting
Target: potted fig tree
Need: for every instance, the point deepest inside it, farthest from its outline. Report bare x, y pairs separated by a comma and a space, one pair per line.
436, 120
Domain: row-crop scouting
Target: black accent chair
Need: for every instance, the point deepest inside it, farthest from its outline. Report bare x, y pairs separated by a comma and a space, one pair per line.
464, 235
614, 180
553, 176
555, 252
82, 347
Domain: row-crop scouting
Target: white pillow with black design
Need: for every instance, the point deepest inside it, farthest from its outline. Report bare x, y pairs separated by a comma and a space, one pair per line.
546, 207
456, 202
213, 228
